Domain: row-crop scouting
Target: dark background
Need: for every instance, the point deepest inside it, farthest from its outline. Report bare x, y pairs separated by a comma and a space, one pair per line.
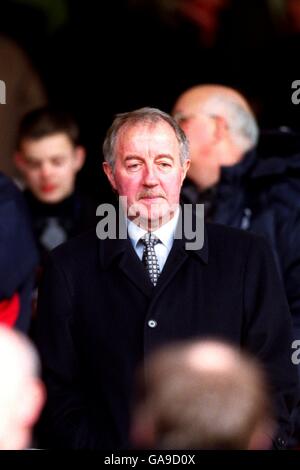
97, 58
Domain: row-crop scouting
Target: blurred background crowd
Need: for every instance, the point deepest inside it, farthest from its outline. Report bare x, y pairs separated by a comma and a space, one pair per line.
96, 59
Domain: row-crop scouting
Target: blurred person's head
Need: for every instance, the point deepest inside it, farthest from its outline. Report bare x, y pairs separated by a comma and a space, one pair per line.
202, 395
49, 155
293, 15
206, 15
22, 393
220, 127
146, 159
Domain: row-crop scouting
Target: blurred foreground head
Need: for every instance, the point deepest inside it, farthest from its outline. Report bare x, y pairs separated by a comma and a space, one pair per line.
21, 391
202, 395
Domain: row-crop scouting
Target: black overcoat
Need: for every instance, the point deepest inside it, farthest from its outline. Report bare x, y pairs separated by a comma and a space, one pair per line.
99, 316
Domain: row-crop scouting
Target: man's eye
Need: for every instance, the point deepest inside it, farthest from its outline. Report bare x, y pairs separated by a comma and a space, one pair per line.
181, 118
134, 166
164, 165
33, 165
57, 162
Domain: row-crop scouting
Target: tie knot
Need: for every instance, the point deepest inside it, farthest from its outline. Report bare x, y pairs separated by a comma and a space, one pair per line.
149, 239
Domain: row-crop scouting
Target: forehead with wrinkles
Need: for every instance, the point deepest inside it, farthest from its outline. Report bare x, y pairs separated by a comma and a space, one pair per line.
158, 137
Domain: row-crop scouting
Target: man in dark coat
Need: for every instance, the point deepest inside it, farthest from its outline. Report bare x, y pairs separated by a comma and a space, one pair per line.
18, 258
105, 304
238, 188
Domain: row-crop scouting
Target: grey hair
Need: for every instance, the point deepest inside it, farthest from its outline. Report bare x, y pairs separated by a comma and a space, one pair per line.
241, 121
143, 115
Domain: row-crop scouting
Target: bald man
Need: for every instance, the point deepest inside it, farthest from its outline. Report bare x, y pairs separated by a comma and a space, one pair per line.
220, 127
21, 391
238, 188
202, 395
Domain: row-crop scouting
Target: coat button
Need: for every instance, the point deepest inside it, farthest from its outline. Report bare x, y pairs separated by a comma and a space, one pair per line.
152, 323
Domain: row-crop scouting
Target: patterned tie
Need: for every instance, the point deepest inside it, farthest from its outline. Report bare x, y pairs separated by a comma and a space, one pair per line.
149, 259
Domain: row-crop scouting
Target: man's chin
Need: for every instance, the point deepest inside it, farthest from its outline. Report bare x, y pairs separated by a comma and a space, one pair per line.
49, 198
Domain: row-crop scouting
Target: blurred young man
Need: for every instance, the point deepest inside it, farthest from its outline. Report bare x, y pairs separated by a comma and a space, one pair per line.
49, 157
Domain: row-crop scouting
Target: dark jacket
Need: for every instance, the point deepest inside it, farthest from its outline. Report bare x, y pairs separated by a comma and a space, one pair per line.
262, 196
56, 223
94, 325
18, 254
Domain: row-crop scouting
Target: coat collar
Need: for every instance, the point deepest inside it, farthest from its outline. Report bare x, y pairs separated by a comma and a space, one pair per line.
234, 174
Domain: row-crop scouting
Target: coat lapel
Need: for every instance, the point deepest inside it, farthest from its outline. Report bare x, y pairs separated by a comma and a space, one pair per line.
133, 268
176, 258
121, 253
178, 255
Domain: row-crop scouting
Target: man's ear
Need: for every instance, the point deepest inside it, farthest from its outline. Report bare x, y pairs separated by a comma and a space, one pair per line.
185, 169
261, 438
142, 431
80, 155
110, 174
221, 128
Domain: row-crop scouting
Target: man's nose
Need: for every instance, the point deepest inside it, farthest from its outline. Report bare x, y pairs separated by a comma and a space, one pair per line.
150, 176
45, 171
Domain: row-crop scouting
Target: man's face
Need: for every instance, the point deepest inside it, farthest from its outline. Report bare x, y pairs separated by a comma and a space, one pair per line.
49, 166
148, 172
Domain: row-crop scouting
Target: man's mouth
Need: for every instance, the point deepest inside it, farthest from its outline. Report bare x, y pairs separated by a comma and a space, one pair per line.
152, 196
48, 188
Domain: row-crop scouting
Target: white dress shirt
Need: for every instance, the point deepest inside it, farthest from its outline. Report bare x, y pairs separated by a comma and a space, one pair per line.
165, 233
